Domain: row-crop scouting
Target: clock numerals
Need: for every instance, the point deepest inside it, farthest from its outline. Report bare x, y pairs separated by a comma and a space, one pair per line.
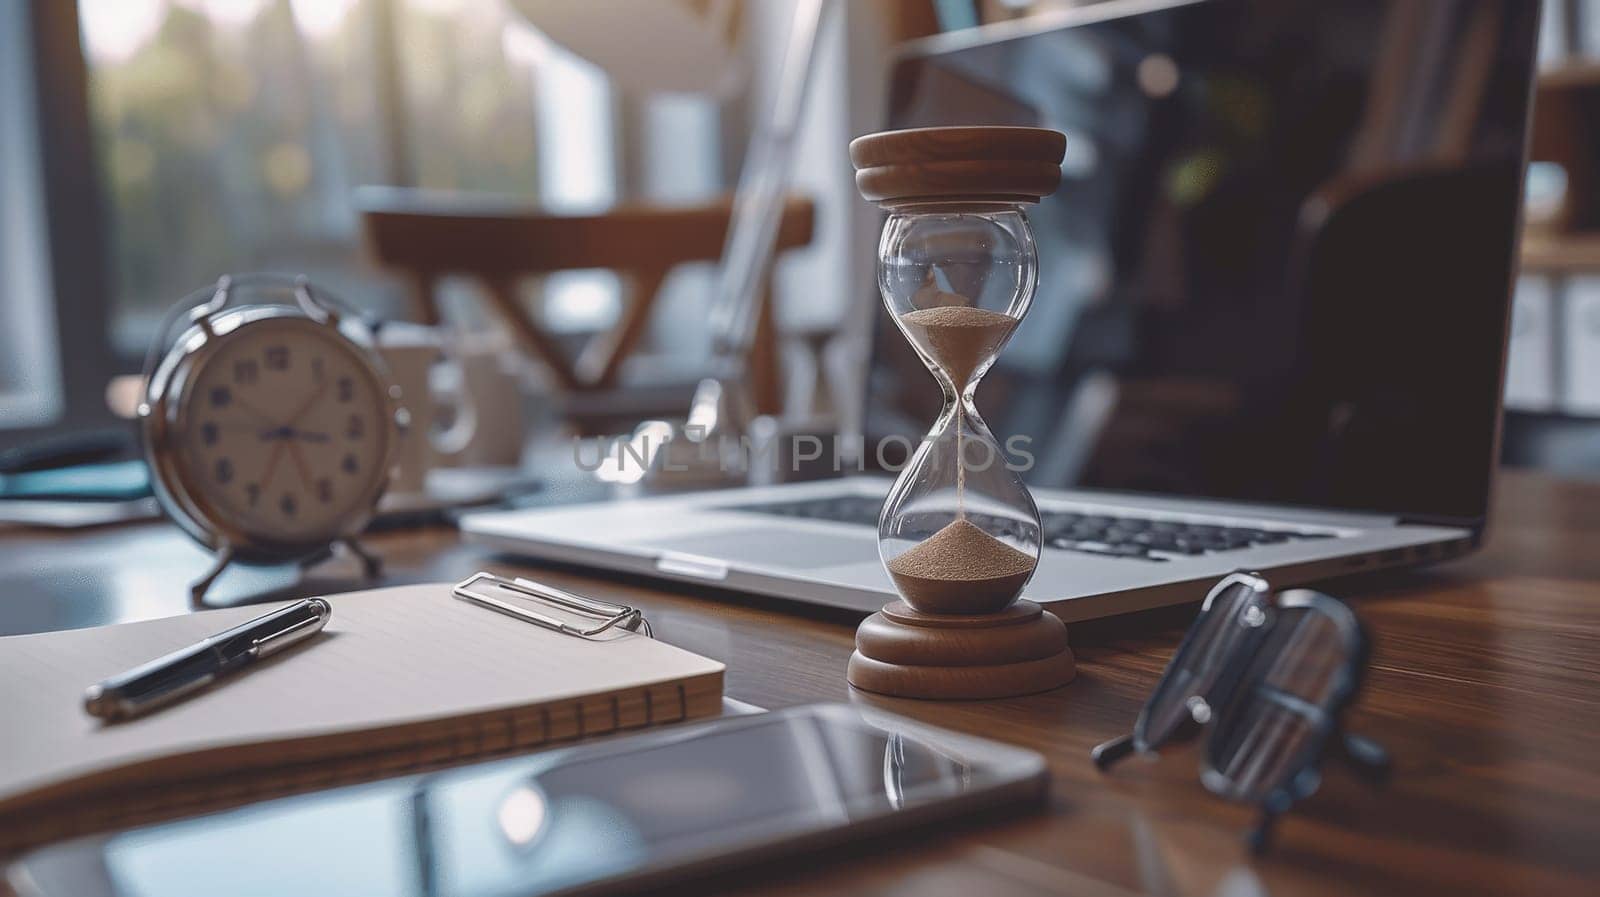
354, 428
224, 471
209, 433
246, 371
287, 504
221, 396
346, 388
325, 490
277, 358
350, 465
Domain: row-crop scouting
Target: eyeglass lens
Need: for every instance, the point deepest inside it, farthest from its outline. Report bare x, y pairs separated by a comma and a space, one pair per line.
1219, 635
1277, 723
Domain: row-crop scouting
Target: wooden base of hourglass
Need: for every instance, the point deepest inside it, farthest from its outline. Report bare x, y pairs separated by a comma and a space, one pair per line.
906, 653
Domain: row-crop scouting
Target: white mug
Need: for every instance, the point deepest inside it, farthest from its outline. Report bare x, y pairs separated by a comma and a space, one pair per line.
488, 371
464, 378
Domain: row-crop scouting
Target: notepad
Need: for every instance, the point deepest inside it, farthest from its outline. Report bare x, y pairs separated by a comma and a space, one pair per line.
403, 679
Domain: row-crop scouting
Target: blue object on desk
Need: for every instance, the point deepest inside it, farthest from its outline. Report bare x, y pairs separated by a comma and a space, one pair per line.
69, 450
107, 481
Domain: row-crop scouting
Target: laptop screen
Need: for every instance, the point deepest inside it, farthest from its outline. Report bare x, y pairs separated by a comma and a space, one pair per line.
1279, 265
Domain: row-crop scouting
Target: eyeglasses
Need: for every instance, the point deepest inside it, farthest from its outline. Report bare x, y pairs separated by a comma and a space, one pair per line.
1272, 675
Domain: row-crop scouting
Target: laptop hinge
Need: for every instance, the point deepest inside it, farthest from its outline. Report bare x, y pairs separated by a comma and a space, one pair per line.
1472, 523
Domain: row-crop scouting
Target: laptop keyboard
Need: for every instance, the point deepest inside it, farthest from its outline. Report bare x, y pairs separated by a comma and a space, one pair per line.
1135, 538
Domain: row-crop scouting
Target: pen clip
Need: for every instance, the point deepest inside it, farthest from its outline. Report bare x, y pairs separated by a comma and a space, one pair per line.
273, 642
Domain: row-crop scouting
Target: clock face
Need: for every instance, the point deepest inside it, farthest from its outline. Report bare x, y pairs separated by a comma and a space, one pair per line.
283, 431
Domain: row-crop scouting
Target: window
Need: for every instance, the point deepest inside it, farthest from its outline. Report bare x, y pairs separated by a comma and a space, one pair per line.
230, 133
30, 383
164, 142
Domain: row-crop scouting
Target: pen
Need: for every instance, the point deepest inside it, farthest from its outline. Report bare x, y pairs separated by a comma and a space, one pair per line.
166, 679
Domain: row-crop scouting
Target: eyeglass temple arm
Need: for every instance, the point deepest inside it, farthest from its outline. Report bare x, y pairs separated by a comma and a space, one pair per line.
1368, 758
1108, 754
1259, 838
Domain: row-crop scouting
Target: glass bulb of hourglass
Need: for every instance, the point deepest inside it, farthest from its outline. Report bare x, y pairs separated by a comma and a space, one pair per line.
959, 532
957, 284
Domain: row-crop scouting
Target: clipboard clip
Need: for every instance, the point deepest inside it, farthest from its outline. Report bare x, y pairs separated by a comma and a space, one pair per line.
476, 589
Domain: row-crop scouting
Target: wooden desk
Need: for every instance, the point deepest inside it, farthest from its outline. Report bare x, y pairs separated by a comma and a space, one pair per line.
1485, 686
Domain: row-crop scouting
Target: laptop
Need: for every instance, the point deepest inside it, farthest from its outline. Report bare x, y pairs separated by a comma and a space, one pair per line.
1271, 322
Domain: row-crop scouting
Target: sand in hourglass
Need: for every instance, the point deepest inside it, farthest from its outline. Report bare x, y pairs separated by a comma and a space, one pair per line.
960, 568
959, 337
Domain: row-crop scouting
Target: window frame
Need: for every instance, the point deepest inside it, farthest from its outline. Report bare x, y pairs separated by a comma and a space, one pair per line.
74, 226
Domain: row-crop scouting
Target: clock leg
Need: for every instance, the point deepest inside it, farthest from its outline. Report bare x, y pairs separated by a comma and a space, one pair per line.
197, 589
371, 564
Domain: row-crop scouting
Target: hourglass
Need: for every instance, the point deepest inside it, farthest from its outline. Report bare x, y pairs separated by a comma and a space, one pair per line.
959, 533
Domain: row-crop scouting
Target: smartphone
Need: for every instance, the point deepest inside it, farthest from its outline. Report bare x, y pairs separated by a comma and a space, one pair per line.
630, 812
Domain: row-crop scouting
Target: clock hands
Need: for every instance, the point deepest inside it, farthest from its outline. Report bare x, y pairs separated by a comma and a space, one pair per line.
294, 450
300, 464
290, 433
285, 437
272, 465
261, 416
286, 430
306, 406
287, 433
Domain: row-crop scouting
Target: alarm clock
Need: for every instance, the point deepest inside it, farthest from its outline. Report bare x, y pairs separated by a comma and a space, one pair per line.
270, 429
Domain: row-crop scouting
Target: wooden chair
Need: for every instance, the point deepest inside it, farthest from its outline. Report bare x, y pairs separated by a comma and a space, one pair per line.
427, 237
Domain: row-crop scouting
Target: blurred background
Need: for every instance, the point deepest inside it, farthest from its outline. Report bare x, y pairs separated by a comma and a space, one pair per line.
148, 146
176, 140
1553, 375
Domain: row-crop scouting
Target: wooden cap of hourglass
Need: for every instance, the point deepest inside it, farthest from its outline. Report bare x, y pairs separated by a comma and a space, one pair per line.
1020, 649
989, 164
